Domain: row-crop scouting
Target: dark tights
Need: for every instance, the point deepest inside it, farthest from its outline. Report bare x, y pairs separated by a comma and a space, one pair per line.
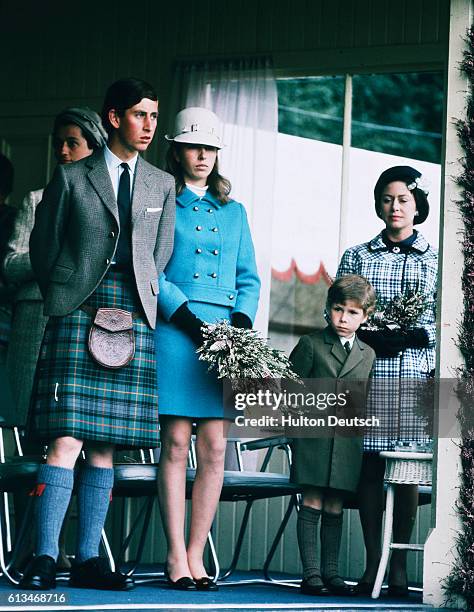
371, 507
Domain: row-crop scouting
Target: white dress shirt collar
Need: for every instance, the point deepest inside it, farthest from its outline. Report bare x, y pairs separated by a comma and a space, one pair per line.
115, 168
350, 340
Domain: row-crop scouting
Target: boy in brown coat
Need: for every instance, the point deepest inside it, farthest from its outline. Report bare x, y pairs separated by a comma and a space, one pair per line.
328, 467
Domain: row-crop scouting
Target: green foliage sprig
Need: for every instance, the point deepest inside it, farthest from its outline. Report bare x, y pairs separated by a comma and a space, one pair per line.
403, 310
460, 582
242, 355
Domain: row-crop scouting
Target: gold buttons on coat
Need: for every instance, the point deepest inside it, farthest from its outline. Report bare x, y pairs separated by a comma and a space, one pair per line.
214, 275
199, 228
112, 234
214, 229
196, 208
215, 252
196, 275
198, 251
209, 210
231, 296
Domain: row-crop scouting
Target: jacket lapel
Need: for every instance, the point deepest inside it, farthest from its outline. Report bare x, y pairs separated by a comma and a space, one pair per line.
353, 359
100, 179
141, 188
337, 350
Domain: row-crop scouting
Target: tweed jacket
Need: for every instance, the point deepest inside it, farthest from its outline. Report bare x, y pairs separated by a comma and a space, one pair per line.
76, 232
213, 259
332, 461
16, 265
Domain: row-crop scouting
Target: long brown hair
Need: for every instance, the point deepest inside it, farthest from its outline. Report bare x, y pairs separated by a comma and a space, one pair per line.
218, 185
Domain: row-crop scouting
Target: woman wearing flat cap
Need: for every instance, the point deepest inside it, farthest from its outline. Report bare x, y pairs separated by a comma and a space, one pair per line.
398, 261
211, 275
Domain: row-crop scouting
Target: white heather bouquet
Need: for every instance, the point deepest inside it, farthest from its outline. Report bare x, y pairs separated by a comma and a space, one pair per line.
242, 355
402, 311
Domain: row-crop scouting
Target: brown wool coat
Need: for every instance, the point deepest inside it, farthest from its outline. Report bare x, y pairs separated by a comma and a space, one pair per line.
333, 461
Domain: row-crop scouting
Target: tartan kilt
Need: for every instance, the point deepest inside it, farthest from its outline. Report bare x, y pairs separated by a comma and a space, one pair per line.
74, 396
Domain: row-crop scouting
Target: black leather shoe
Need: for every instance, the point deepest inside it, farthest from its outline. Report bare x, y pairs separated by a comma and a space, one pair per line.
182, 584
363, 589
205, 584
396, 591
313, 589
40, 575
336, 586
95, 573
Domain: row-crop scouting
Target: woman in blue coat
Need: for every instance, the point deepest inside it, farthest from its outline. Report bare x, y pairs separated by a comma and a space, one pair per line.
212, 275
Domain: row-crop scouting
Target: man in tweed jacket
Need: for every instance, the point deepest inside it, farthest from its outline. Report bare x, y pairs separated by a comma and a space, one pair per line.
79, 215
103, 234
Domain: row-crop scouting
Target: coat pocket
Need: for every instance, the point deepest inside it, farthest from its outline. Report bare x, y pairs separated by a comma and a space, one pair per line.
154, 286
61, 274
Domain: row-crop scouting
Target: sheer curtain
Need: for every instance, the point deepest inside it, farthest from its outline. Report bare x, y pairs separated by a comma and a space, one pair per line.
243, 94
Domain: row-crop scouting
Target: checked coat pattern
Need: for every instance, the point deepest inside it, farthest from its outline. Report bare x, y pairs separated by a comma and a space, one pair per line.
391, 397
28, 321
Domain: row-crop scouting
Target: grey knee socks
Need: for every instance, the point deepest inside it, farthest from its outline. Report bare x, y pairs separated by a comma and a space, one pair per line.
331, 532
53, 491
93, 498
307, 533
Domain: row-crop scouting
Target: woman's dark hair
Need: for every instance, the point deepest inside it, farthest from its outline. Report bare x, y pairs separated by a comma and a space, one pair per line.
6, 175
219, 186
355, 288
124, 94
407, 175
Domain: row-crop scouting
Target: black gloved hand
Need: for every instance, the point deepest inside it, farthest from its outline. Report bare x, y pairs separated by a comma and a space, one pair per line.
189, 323
239, 319
385, 342
417, 338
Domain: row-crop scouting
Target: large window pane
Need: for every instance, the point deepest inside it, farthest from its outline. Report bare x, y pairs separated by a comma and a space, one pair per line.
400, 114
396, 120
312, 107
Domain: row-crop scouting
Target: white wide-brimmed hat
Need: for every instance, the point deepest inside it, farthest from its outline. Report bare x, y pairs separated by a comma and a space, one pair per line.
195, 125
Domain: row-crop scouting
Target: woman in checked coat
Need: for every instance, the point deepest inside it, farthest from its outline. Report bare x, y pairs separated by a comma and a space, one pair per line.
397, 261
211, 275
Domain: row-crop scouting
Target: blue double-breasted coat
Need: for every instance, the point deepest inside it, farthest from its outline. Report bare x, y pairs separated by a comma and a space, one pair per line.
213, 270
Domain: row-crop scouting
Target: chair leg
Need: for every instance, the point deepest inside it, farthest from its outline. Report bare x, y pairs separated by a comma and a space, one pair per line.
21, 532
5, 569
141, 544
276, 540
240, 540
213, 556
108, 551
387, 536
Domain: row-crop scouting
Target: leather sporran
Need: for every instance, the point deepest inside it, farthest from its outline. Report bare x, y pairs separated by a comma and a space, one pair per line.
111, 338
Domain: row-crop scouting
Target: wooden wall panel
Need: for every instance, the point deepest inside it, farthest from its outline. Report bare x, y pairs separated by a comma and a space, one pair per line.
52, 56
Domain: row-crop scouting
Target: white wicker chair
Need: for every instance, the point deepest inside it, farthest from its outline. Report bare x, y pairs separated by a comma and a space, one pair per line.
402, 468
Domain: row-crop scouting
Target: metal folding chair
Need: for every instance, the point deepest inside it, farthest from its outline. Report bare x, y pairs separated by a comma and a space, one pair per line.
241, 485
